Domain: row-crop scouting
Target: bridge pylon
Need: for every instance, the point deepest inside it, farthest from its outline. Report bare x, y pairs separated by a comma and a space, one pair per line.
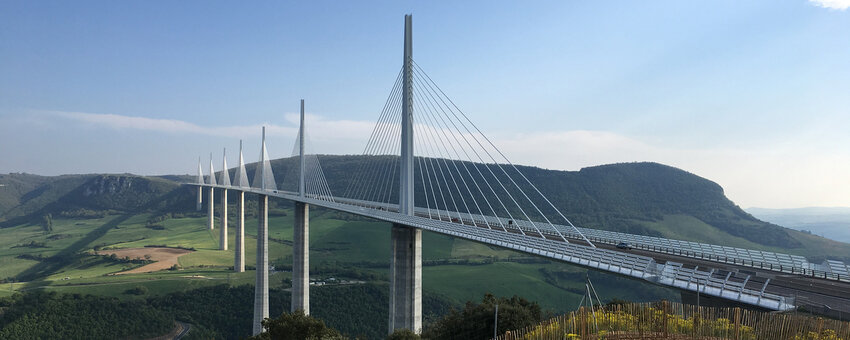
241, 181
211, 212
265, 180
301, 236
406, 262
200, 188
225, 181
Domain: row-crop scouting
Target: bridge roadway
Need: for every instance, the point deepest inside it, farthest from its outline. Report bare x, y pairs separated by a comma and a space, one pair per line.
808, 292
743, 284
817, 292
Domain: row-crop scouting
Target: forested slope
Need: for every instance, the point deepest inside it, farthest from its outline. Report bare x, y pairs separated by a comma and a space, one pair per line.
640, 198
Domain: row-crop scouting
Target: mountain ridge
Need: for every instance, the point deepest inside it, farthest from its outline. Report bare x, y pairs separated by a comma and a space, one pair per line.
641, 198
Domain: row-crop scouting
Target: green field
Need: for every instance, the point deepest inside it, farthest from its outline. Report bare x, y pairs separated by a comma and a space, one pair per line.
363, 244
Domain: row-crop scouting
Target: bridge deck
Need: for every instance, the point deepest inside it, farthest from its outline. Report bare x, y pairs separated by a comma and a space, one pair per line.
764, 288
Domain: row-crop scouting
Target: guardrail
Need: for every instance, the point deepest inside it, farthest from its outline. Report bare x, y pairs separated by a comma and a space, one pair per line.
728, 259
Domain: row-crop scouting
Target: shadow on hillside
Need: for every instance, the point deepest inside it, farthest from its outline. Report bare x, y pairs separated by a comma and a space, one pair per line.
68, 255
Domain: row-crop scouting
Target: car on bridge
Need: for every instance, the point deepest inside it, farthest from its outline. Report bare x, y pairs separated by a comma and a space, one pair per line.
624, 245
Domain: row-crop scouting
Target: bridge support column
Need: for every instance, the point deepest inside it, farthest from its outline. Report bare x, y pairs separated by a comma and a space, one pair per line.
261, 288
301, 259
239, 261
200, 198
406, 279
211, 222
223, 236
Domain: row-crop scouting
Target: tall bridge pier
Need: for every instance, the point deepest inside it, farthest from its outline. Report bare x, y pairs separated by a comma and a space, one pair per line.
406, 279
301, 236
265, 179
239, 244
241, 180
211, 204
261, 287
225, 180
301, 259
223, 232
406, 241
200, 200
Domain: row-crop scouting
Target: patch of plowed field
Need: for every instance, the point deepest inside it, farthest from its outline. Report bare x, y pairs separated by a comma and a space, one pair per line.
164, 257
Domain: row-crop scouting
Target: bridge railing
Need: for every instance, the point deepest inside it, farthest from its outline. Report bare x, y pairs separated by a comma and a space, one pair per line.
792, 264
729, 287
730, 259
785, 268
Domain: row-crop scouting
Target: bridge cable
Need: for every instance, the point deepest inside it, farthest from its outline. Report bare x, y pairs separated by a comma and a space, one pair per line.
310, 177
431, 82
423, 171
393, 166
451, 175
425, 191
440, 168
355, 183
416, 66
314, 172
472, 196
378, 148
432, 159
522, 210
426, 159
477, 169
324, 179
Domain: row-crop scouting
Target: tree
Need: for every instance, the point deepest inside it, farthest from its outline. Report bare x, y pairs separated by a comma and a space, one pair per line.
297, 326
475, 321
47, 223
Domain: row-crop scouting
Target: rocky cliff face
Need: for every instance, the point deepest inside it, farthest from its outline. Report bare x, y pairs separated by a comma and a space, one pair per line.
119, 192
108, 185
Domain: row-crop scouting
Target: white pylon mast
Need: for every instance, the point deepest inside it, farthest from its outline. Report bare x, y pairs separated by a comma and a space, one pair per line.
405, 200
301, 185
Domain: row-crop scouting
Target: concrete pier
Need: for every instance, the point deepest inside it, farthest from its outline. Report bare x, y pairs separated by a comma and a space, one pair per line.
239, 261
200, 198
261, 288
211, 211
212, 195
223, 236
406, 279
301, 259
240, 180
200, 189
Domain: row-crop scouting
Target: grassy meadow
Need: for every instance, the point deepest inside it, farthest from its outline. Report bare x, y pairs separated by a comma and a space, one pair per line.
456, 269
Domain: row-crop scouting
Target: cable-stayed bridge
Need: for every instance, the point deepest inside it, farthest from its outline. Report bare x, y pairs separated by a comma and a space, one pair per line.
427, 166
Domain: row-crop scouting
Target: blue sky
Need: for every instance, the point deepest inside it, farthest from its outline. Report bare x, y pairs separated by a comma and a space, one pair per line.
754, 95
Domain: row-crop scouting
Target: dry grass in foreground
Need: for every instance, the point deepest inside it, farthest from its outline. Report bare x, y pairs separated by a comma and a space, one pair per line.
667, 320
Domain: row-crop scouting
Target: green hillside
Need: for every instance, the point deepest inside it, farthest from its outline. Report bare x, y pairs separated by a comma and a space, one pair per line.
639, 198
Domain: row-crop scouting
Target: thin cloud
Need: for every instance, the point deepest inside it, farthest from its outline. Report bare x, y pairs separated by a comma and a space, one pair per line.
114, 121
832, 4
321, 128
